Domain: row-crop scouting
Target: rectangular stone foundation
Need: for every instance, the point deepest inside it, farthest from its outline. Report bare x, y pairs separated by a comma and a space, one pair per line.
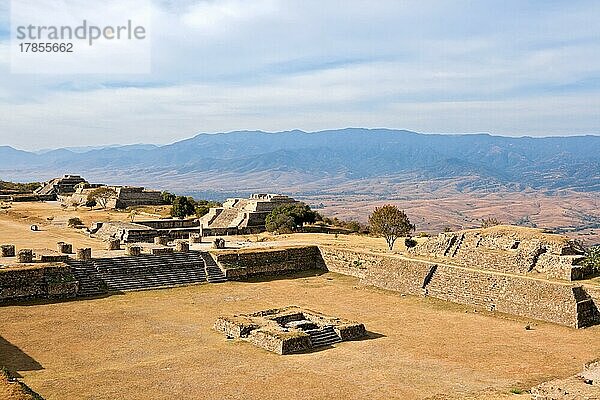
277, 330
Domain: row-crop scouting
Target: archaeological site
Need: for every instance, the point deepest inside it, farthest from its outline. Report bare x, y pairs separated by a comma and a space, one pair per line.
216, 298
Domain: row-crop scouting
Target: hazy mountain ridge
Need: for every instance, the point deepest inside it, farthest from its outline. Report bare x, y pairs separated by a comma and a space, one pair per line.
349, 154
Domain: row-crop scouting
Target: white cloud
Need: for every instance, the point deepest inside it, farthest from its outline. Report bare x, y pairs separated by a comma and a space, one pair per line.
510, 68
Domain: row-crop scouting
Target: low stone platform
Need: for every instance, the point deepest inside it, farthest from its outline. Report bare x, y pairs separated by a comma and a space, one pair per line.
290, 329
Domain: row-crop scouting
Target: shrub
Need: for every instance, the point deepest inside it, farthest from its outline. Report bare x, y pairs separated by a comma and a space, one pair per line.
410, 242
489, 222
91, 203
73, 222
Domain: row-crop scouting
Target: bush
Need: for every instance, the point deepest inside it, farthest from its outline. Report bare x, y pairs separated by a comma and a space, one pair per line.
489, 222
182, 207
592, 258
287, 217
410, 242
73, 222
91, 203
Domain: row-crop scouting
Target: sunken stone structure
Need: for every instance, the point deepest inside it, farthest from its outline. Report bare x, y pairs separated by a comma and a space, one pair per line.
290, 329
243, 216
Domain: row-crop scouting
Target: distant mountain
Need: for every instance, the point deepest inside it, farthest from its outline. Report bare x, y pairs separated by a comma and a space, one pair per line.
352, 160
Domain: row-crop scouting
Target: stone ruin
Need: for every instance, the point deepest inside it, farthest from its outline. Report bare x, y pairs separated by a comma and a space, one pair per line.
126, 196
146, 231
243, 216
509, 249
290, 329
60, 186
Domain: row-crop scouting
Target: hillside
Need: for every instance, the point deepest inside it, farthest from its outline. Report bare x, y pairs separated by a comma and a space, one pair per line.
441, 180
248, 161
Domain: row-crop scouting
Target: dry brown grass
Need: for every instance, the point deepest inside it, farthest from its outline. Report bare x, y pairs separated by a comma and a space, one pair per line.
431, 211
160, 345
52, 220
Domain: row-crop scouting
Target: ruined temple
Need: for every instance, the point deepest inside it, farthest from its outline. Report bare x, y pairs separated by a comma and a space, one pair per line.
240, 216
126, 196
60, 186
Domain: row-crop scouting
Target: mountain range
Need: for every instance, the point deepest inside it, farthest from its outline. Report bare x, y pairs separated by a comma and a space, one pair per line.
345, 161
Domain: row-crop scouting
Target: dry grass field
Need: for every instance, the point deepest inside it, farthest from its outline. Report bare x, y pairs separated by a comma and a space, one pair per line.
160, 345
574, 213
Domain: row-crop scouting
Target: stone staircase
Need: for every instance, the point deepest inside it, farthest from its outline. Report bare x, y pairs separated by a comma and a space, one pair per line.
115, 274
90, 285
323, 337
213, 272
225, 219
230, 217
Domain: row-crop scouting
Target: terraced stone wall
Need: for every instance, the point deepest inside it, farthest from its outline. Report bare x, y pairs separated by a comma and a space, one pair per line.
34, 282
559, 302
239, 264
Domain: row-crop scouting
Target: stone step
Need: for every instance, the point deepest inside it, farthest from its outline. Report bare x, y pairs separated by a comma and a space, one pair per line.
145, 272
323, 337
213, 272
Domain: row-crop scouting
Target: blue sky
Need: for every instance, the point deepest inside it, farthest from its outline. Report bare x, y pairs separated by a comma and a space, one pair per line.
504, 67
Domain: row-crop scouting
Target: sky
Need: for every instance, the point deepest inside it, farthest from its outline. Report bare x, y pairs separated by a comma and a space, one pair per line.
510, 68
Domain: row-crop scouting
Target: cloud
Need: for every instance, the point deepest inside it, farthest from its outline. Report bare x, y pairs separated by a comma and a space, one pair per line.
514, 68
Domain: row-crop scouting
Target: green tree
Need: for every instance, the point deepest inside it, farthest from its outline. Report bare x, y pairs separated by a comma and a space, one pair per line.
203, 206
183, 207
289, 217
102, 196
167, 197
281, 223
391, 223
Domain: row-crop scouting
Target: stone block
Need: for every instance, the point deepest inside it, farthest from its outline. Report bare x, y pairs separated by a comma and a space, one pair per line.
161, 240
7, 250
133, 250
25, 256
182, 246
113, 244
84, 254
64, 248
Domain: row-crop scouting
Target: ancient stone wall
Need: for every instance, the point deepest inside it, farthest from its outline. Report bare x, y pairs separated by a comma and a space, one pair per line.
29, 282
557, 302
256, 262
507, 249
170, 223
